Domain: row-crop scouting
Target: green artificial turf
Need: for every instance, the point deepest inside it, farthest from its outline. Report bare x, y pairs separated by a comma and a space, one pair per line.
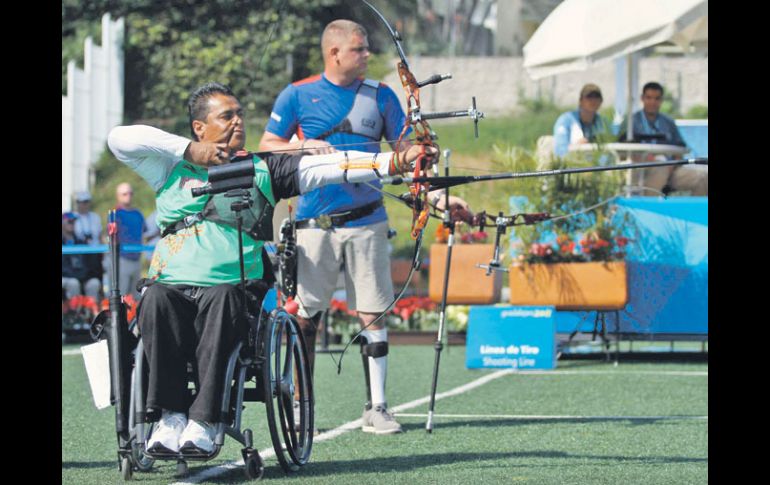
583, 423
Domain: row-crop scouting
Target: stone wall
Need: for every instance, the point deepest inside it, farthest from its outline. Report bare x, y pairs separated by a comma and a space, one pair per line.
498, 82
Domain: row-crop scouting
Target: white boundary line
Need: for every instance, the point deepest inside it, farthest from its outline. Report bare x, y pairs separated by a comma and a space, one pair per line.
71, 352
349, 426
548, 418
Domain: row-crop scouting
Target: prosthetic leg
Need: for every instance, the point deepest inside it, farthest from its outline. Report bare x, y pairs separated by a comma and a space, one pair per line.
374, 352
374, 357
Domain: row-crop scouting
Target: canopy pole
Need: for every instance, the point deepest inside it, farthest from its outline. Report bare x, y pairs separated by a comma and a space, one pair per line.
630, 98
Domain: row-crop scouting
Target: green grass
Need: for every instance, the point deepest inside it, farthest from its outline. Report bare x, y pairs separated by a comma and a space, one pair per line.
483, 449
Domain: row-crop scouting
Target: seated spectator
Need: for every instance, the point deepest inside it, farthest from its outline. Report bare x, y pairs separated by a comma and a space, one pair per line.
583, 125
652, 126
88, 225
79, 274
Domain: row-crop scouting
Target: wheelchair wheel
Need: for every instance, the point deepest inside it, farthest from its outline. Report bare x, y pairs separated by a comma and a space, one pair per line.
142, 462
254, 467
285, 370
126, 470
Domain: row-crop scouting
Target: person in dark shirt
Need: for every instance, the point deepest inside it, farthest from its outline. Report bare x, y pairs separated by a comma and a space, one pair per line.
652, 126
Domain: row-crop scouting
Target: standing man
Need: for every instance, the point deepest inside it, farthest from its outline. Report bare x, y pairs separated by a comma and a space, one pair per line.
582, 125
652, 126
131, 226
336, 107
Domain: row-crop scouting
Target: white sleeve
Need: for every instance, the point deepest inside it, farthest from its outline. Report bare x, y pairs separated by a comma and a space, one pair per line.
319, 170
150, 152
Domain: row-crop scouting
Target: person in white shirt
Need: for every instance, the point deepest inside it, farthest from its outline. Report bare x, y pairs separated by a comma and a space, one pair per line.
88, 225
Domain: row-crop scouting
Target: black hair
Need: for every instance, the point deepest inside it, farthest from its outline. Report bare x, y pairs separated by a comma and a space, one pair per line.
653, 85
197, 107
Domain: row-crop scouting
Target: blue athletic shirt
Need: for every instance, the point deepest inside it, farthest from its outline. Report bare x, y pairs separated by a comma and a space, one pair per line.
131, 226
312, 106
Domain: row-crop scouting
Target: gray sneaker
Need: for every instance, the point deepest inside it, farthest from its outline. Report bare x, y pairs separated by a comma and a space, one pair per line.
379, 421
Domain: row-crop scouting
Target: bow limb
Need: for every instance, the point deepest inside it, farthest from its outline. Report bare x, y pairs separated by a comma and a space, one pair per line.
423, 132
393, 34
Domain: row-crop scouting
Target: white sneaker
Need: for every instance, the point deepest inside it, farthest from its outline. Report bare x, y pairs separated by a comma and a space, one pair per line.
198, 436
165, 438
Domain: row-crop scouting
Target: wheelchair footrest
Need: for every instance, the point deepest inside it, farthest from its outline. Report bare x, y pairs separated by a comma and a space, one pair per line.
184, 455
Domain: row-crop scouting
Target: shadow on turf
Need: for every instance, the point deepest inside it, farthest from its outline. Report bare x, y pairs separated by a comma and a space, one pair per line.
415, 462
499, 422
89, 464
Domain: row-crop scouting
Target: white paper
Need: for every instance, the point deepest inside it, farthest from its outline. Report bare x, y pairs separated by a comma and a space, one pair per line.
97, 360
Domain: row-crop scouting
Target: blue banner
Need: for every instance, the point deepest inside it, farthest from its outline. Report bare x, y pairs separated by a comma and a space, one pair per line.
516, 337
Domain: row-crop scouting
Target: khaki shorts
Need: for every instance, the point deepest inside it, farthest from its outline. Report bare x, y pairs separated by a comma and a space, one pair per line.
362, 253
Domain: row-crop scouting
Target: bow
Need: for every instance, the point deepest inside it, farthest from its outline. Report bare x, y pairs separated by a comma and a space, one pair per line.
417, 120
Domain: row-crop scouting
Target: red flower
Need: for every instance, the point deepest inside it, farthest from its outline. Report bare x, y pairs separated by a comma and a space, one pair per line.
130, 303
621, 241
480, 236
78, 302
406, 307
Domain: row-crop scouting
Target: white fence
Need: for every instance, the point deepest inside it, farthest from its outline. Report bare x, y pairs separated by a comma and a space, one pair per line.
93, 105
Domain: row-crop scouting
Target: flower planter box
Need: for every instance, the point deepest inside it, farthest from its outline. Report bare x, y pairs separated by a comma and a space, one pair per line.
467, 283
570, 286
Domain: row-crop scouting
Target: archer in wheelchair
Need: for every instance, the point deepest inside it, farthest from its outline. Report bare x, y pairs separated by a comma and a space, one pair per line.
200, 318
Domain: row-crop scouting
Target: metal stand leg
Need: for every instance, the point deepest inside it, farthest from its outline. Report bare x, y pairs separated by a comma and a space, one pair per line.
617, 336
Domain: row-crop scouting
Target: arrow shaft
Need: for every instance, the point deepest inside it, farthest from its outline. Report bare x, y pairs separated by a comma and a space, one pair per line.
440, 182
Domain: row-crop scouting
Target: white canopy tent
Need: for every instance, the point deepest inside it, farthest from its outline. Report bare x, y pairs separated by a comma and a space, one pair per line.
581, 33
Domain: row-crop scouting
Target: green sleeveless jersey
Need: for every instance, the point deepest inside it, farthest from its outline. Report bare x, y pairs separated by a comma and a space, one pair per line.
206, 253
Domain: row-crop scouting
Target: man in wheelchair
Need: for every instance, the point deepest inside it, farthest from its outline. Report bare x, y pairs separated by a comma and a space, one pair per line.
192, 309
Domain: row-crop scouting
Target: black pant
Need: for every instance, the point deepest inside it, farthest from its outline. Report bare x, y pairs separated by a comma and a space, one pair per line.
201, 328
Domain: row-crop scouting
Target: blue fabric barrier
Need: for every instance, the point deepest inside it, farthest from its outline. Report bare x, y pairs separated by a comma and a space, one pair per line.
103, 248
667, 267
126, 248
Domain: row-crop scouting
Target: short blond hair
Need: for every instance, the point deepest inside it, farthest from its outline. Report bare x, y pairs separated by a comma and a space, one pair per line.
340, 30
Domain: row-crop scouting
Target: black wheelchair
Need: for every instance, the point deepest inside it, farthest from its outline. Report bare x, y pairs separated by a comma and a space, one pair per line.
270, 366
